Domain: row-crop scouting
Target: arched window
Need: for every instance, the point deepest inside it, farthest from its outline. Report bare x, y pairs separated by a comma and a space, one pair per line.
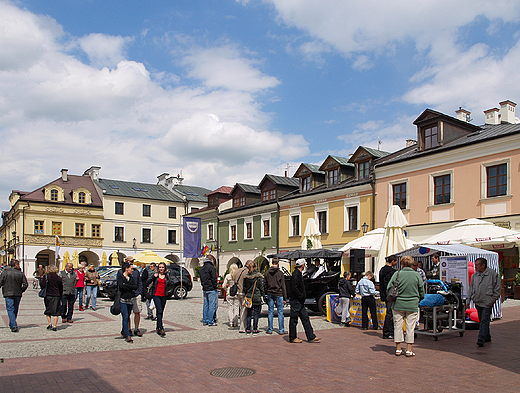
54, 195
81, 197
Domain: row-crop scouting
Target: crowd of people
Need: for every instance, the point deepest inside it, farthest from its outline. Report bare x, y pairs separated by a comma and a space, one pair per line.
246, 290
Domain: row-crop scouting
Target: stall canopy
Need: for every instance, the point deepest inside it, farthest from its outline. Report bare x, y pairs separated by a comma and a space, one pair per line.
393, 237
370, 242
423, 252
320, 253
477, 233
148, 257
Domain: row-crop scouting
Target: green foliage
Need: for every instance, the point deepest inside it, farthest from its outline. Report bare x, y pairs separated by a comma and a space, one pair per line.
517, 279
197, 268
309, 244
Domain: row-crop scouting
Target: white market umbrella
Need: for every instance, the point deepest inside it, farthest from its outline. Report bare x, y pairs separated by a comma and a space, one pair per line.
477, 233
312, 233
370, 242
393, 240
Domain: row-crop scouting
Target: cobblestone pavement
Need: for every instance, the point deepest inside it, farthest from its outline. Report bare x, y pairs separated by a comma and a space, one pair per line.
88, 356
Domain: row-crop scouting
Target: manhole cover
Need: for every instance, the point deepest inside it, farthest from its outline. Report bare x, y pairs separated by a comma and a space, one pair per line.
232, 372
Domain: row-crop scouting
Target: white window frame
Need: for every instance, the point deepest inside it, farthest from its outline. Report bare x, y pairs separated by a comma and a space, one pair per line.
168, 235
151, 234
207, 231
248, 220
346, 222
265, 217
292, 213
119, 224
322, 207
231, 223
431, 191
484, 180
391, 192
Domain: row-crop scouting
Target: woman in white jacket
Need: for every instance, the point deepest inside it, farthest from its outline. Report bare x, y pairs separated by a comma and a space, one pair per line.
232, 301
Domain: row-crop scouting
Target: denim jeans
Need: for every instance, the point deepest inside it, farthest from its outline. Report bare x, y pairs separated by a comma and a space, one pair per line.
208, 310
126, 310
253, 313
67, 306
79, 292
484, 316
160, 302
91, 290
11, 305
271, 301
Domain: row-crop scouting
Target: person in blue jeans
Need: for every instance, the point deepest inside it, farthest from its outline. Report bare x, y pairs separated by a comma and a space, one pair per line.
13, 284
126, 286
253, 288
276, 294
208, 280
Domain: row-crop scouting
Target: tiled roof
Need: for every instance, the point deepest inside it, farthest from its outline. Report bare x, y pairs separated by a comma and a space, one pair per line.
284, 181
342, 160
192, 193
221, 190
376, 153
137, 190
248, 188
352, 182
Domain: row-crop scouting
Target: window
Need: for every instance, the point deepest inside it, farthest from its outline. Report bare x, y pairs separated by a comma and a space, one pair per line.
147, 211
295, 221
306, 183
119, 234
265, 196
172, 212
442, 191
213, 201
38, 227
352, 218
96, 230
80, 230
399, 193
332, 177
322, 221
233, 230
210, 231
119, 207
193, 209
430, 137
268, 195
81, 197
54, 195
56, 228
267, 228
147, 235
249, 230
496, 180
364, 170
272, 195
239, 202
172, 236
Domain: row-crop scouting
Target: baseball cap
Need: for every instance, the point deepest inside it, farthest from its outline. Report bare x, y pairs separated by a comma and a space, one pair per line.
300, 262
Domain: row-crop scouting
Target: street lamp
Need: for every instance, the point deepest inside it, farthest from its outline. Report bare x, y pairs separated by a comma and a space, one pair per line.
364, 228
14, 243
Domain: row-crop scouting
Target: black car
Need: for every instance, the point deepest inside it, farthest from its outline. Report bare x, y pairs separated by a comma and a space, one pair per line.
180, 289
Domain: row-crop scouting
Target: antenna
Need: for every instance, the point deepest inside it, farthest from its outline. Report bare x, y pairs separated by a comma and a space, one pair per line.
379, 142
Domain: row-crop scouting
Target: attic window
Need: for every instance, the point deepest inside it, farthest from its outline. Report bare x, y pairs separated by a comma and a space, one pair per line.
430, 137
54, 195
115, 187
306, 183
363, 170
333, 177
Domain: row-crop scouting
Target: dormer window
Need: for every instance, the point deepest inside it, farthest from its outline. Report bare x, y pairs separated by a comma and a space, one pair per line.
431, 138
333, 177
81, 197
239, 202
54, 195
306, 183
363, 170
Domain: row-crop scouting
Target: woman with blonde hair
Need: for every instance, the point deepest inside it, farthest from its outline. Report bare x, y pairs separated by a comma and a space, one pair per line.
92, 282
232, 301
52, 300
411, 291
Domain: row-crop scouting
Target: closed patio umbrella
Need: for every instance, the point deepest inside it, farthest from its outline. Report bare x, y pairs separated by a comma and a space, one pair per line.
104, 259
75, 259
393, 238
312, 233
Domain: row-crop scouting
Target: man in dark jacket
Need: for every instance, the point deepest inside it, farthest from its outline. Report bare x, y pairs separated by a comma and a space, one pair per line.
13, 284
274, 287
385, 274
346, 291
298, 309
208, 280
69, 279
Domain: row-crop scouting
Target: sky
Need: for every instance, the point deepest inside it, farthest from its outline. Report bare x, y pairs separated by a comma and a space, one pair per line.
225, 91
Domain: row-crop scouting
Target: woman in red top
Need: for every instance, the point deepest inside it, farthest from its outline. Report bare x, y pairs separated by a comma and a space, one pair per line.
80, 285
160, 281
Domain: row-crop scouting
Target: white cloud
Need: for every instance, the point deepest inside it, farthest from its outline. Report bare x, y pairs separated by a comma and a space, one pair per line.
104, 50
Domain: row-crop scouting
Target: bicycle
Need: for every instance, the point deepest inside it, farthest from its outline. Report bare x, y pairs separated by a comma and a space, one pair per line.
36, 283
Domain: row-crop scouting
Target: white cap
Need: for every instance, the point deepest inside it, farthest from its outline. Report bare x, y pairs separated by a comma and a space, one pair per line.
300, 262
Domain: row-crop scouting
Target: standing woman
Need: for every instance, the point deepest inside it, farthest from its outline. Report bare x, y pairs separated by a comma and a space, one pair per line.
256, 292
126, 286
80, 285
160, 281
52, 281
92, 281
232, 301
405, 306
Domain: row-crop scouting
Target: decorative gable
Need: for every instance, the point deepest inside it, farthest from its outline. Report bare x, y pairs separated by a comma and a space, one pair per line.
54, 193
82, 195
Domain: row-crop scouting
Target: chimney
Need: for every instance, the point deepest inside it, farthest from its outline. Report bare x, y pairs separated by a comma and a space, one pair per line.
492, 116
161, 179
410, 142
93, 172
507, 112
64, 174
463, 114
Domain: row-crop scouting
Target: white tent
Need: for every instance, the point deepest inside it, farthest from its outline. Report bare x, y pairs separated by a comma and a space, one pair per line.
370, 242
312, 233
393, 237
477, 233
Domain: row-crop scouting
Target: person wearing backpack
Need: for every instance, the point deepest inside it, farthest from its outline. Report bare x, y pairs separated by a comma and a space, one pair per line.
231, 298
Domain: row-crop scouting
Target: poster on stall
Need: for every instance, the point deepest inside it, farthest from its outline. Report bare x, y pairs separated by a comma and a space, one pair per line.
455, 267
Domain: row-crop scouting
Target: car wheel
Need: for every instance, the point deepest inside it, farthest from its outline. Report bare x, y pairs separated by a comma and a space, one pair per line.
322, 302
180, 292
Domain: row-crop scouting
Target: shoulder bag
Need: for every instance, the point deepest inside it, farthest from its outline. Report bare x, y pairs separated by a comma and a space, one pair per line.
43, 291
394, 291
248, 301
115, 309
233, 289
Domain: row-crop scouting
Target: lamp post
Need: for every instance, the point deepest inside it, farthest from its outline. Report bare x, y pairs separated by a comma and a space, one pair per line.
364, 228
14, 243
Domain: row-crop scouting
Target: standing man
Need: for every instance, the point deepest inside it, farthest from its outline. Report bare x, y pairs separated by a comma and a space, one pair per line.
434, 272
208, 280
298, 309
385, 274
148, 272
136, 301
484, 290
69, 279
13, 284
367, 290
239, 280
274, 287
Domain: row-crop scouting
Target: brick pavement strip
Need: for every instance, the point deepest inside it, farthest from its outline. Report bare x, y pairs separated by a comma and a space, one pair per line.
346, 359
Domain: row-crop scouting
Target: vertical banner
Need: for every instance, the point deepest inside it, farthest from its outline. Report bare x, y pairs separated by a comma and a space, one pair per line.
192, 237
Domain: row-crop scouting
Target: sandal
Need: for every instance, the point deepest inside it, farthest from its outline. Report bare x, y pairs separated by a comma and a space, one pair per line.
398, 352
409, 354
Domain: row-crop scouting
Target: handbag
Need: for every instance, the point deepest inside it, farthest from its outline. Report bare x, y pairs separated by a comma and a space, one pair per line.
115, 309
394, 291
233, 289
248, 301
43, 291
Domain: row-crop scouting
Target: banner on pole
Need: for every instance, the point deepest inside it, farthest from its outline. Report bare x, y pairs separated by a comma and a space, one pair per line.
192, 237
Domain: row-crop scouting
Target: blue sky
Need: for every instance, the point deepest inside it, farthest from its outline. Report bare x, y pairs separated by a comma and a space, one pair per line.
226, 91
